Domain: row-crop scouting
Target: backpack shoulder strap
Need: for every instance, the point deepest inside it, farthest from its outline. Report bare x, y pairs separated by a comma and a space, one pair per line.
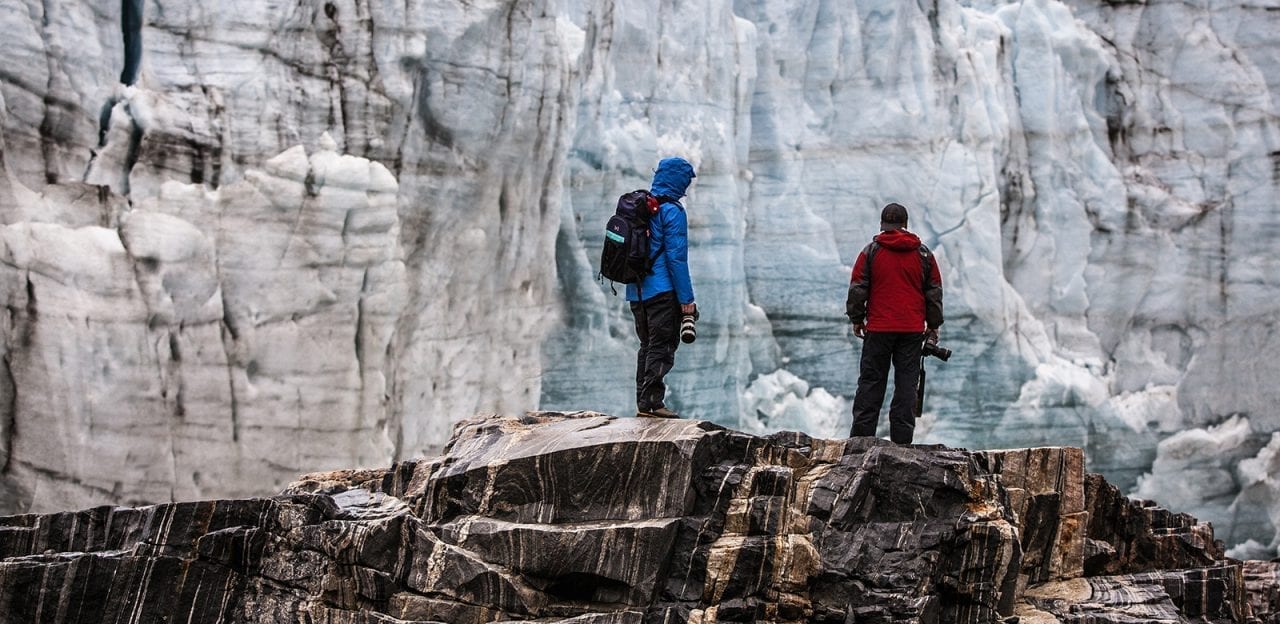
870, 251
657, 219
926, 266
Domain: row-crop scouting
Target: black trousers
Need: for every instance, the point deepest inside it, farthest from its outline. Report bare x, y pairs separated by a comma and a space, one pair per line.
658, 327
878, 350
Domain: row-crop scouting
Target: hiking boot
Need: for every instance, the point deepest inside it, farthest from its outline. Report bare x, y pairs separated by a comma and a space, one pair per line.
660, 412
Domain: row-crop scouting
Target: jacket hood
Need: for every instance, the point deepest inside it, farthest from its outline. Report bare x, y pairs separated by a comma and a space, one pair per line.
898, 240
672, 177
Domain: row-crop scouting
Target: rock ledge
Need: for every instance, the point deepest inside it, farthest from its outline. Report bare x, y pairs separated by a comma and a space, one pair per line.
588, 518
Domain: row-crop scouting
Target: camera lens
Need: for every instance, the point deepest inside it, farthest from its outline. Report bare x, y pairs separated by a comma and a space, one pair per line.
688, 332
941, 353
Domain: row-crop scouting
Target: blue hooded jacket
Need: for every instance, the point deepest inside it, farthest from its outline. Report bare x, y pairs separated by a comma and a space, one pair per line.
669, 239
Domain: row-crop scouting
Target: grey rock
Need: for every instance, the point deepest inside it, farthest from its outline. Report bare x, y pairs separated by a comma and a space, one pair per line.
586, 518
1262, 578
1214, 594
1139, 535
1047, 495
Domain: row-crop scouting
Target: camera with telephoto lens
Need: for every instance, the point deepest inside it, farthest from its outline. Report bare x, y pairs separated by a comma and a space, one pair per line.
932, 348
688, 331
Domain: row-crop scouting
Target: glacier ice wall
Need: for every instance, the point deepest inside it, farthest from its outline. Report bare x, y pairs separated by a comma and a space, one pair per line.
316, 234
311, 234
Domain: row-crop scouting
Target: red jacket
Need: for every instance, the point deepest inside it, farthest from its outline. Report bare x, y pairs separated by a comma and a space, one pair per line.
896, 285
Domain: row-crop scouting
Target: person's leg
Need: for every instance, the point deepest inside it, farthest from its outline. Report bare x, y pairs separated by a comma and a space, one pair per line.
662, 315
872, 378
642, 332
906, 379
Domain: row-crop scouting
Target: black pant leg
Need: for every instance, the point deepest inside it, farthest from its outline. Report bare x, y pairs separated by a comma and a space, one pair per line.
873, 377
642, 354
906, 379
660, 337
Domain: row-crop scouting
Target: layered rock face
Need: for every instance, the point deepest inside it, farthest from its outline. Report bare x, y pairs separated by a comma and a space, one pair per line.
584, 517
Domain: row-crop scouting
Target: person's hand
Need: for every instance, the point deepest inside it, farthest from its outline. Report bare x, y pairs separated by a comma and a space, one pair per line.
931, 335
859, 330
688, 308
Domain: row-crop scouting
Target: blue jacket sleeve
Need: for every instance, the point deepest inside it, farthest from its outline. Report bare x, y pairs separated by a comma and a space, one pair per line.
676, 234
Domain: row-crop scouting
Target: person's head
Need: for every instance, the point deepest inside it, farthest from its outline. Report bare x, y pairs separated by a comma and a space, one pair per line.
893, 217
672, 177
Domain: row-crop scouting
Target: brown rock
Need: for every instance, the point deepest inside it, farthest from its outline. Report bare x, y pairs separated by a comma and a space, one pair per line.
593, 519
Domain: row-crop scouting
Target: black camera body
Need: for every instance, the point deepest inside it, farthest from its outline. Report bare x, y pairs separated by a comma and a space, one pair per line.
688, 327
932, 349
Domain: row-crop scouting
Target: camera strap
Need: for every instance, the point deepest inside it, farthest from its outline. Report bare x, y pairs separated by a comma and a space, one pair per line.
920, 390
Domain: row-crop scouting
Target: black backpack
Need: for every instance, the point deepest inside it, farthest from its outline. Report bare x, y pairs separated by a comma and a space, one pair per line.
625, 257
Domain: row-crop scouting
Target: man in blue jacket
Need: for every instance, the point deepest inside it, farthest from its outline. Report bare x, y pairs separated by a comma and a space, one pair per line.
662, 297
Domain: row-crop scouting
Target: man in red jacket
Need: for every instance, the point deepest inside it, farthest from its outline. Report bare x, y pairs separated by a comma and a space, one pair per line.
895, 304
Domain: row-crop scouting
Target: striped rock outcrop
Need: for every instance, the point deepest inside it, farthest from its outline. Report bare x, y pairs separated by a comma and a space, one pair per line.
588, 518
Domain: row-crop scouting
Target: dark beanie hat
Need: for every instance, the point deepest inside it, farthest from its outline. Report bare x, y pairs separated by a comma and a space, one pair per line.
893, 214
